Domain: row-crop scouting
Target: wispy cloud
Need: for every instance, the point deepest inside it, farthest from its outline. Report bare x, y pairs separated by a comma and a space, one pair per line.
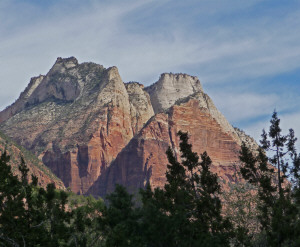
238, 107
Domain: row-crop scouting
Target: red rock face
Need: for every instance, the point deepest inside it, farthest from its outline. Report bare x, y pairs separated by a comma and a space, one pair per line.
81, 167
144, 159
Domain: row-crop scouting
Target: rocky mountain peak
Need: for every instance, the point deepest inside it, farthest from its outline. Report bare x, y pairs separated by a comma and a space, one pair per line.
134, 84
34, 83
93, 130
69, 62
113, 73
62, 65
171, 87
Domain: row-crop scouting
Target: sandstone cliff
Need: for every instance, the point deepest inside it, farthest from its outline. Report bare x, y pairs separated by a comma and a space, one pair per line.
93, 130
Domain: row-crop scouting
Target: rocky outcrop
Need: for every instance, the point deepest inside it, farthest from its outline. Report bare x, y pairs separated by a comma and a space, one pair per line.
20, 103
171, 87
35, 166
140, 105
248, 140
92, 130
61, 83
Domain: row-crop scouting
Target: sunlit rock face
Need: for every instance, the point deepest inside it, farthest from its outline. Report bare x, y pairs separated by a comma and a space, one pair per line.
93, 130
171, 87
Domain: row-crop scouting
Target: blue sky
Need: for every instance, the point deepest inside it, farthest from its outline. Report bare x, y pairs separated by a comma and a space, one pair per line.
245, 53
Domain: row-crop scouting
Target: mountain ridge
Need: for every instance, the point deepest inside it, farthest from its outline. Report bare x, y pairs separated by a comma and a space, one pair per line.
80, 117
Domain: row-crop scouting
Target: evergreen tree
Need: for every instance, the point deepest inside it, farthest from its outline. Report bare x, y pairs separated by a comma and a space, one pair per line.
12, 210
119, 220
85, 227
277, 179
29, 215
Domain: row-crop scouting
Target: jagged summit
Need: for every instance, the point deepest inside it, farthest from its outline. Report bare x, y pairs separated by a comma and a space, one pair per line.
68, 62
79, 116
171, 87
69, 80
61, 65
135, 82
65, 82
92, 129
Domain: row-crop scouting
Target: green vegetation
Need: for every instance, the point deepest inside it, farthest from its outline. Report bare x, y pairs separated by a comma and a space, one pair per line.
58, 77
263, 211
93, 73
33, 216
278, 181
241, 202
27, 155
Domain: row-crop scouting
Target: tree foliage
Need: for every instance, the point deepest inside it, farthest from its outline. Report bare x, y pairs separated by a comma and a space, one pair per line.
277, 179
189, 206
29, 215
33, 216
241, 202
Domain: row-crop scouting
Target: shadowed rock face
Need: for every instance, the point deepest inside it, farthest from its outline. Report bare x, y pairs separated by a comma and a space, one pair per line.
92, 130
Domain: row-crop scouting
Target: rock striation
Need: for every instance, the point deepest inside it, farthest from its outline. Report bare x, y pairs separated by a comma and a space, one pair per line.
93, 130
144, 161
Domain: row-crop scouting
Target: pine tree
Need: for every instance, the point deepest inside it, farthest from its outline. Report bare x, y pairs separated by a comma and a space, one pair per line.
29, 215
119, 220
241, 202
11, 205
277, 179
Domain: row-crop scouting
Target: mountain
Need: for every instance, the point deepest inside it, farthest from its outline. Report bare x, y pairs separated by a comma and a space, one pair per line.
93, 130
35, 166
